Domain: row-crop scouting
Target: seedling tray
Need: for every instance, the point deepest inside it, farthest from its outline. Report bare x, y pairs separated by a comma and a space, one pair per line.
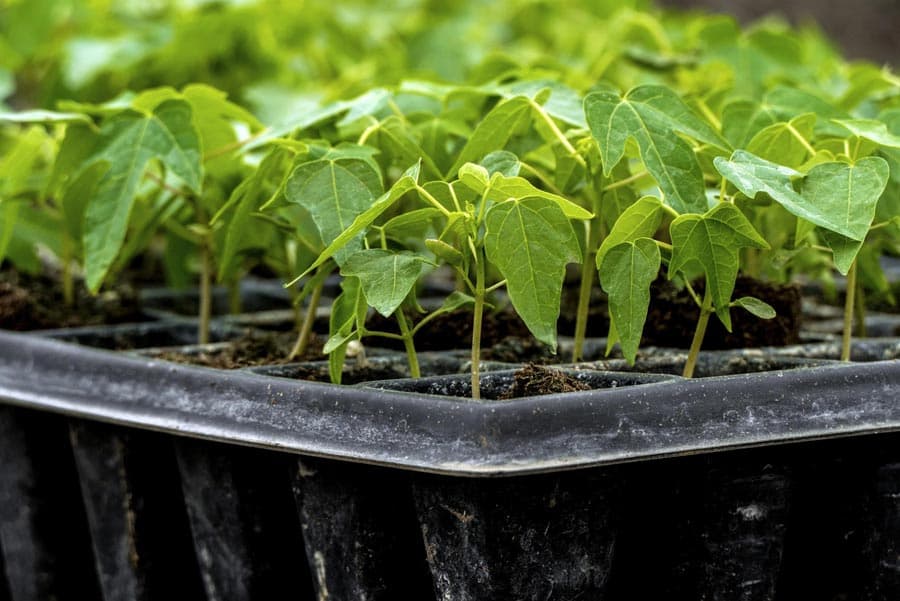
150, 463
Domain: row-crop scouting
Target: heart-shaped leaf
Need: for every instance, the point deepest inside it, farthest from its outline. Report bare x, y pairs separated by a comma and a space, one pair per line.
713, 241
626, 272
530, 241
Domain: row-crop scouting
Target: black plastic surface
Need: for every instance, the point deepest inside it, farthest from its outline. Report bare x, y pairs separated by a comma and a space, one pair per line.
435, 434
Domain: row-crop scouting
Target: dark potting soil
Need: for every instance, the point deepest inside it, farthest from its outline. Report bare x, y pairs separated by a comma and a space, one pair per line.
533, 380
251, 349
673, 314
33, 302
454, 330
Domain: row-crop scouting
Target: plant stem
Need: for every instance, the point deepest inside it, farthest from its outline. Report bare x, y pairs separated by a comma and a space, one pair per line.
476, 325
68, 283
548, 120
803, 141
411, 356
234, 296
584, 294
305, 332
699, 333
848, 313
625, 182
205, 292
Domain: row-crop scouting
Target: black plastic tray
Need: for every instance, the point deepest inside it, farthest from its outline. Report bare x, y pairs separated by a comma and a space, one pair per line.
127, 477
451, 436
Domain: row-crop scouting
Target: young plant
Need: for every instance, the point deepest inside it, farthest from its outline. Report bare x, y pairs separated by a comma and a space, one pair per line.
148, 150
838, 198
704, 241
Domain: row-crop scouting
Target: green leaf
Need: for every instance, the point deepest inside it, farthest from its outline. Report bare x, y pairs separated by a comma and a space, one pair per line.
242, 232
530, 241
743, 119
870, 129
342, 325
335, 192
412, 223
781, 142
626, 272
564, 103
17, 162
713, 242
386, 277
456, 300
394, 136
492, 133
409, 181
843, 196
839, 197
757, 307
788, 102
640, 220
501, 188
128, 142
503, 162
9, 212
652, 115
215, 118
444, 252
844, 250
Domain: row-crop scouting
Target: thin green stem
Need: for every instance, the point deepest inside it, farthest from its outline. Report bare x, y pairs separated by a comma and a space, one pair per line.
584, 293
496, 286
883, 224
803, 141
476, 326
625, 182
368, 132
543, 178
377, 334
305, 332
848, 313
411, 356
699, 334
433, 201
453, 196
670, 211
234, 296
68, 282
710, 116
546, 118
233, 146
205, 312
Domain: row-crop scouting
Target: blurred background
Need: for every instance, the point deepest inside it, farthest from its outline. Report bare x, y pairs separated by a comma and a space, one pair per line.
868, 29
275, 55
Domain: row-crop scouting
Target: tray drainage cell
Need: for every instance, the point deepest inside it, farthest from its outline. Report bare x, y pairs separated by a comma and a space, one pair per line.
254, 295
139, 335
380, 364
494, 385
709, 364
865, 349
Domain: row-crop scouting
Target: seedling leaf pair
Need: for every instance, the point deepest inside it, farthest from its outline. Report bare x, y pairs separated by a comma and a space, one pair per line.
653, 115
129, 141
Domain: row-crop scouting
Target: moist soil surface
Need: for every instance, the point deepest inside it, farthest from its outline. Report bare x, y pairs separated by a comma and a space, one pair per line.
452, 330
34, 302
252, 349
533, 380
673, 314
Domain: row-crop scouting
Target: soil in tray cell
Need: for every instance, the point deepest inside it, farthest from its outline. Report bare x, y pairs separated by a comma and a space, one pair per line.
30, 302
